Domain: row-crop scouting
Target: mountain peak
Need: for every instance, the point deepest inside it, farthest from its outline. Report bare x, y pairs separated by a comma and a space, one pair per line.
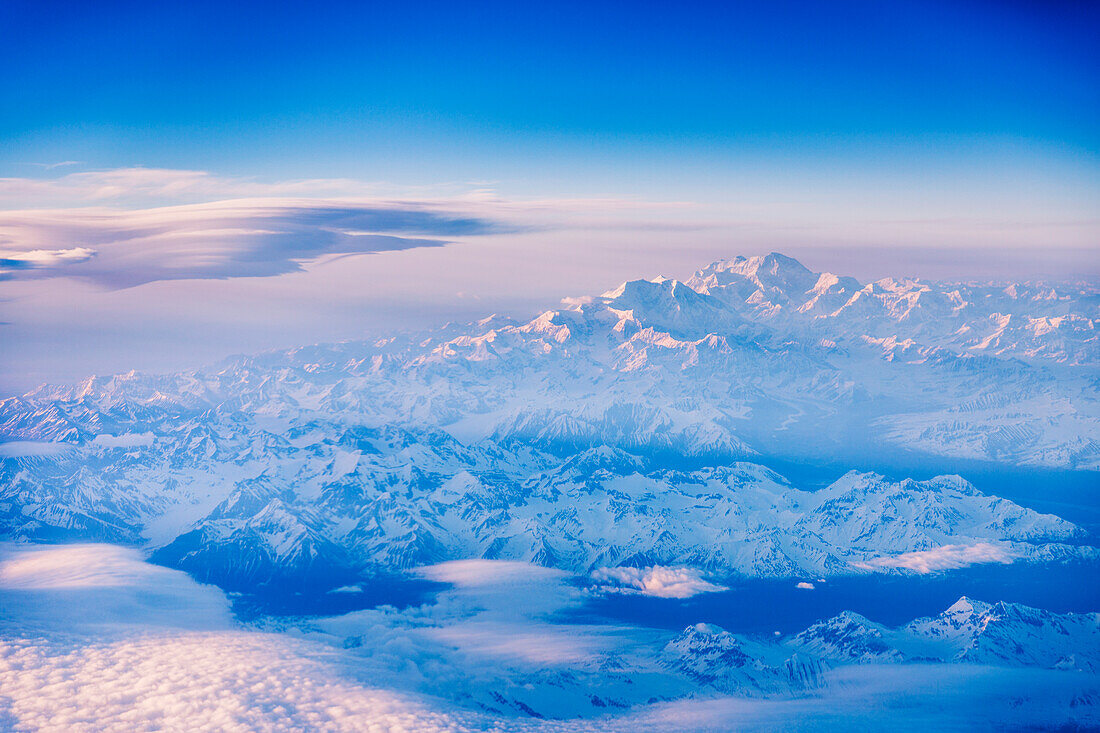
774, 278
772, 263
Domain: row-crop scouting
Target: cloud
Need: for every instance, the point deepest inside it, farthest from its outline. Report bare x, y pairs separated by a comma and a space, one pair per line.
58, 164
805, 586
92, 638
140, 186
244, 238
486, 573
201, 681
544, 645
947, 557
347, 589
658, 581
43, 258
32, 449
161, 185
92, 587
175, 660
128, 226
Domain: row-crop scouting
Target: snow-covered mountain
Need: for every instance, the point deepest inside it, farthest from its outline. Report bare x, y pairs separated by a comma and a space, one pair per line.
373, 503
711, 656
1025, 321
998, 634
621, 429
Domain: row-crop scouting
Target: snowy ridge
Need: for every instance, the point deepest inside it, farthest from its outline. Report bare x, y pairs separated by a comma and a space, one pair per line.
975, 632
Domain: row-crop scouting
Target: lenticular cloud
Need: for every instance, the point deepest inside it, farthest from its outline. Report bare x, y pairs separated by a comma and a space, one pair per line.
224, 239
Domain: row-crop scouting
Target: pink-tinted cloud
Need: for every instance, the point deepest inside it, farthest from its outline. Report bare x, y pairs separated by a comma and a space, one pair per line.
246, 238
658, 581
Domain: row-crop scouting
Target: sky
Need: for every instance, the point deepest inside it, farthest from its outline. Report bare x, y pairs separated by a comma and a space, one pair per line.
181, 181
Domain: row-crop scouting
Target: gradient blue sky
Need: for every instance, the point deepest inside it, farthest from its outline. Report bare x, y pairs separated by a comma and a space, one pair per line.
547, 97
583, 143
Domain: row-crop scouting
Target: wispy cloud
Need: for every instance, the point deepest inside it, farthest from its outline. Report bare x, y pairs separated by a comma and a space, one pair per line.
160, 185
58, 164
947, 557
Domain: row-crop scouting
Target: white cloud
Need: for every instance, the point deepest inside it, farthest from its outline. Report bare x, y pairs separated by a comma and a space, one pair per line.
92, 638
524, 642
347, 589
14, 263
73, 566
947, 557
482, 573
46, 257
662, 582
197, 681
805, 586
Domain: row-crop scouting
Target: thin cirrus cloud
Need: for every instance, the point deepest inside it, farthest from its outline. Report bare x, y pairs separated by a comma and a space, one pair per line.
159, 185
121, 248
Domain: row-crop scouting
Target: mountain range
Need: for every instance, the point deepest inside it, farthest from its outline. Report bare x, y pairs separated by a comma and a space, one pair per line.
627, 428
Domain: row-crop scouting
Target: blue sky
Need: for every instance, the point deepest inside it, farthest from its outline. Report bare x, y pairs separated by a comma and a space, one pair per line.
424, 92
586, 143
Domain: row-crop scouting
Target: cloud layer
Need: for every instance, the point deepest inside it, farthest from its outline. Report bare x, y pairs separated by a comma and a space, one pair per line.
94, 639
153, 185
241, 238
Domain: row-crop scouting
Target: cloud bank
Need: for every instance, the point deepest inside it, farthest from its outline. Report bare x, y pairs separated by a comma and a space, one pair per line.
92, 638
